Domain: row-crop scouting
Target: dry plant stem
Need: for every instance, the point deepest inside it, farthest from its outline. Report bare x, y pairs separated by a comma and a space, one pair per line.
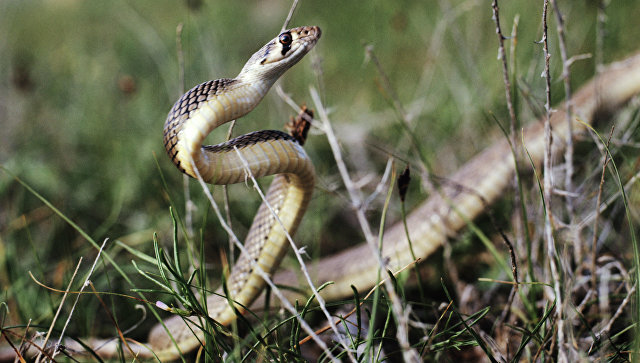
227, 209
15, 351
285, 97
568, 154
513, 124
400, 313
75, 303
381, 185
513, 45
294, 106
227, 214
514, 142
180, 55
594, 242
55, 318
603, 206
305, 326
188, 203
188, 206
600, 21
548, 188
585, 300
285, 25
296, 250
607, 328
505, 72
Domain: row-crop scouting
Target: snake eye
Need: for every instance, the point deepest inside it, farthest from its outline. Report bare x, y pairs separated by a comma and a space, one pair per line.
285, 39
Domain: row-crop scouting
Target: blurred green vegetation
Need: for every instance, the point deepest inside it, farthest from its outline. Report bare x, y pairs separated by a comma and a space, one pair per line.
85, 87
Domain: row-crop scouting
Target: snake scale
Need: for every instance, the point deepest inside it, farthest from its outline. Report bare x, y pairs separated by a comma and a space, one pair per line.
483, 180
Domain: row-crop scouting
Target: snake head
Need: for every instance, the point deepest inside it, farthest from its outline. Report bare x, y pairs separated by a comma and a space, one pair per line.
280, 54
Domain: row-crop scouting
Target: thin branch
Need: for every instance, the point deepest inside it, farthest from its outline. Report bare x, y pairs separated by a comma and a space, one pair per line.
286, 98
227, 208
594, 243
566, 78
621, 309
289, 16
180, 55
603, 206
601, 19
548, 188
505, 72
381, 184
55, 318
189, 206
513, 124
75, 303
400, 313
568, 154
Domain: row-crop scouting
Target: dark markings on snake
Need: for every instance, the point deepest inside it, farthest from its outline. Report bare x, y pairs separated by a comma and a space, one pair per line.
249, 139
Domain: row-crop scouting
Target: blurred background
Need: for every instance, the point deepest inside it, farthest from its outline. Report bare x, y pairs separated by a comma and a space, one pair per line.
85, 87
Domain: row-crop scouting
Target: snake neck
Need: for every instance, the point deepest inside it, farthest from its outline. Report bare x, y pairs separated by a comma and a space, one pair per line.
201, 110
210, 104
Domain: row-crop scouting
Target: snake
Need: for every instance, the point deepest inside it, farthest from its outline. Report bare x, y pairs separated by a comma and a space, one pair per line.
268, 152
261, 153
478, 183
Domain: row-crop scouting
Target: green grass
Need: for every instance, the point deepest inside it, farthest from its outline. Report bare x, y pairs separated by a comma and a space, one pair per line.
86, 85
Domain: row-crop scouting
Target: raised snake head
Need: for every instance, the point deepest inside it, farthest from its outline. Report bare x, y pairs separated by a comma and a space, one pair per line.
280, 54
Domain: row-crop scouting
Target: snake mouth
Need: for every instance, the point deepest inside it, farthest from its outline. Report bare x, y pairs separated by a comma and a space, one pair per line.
312, 32
309, 35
